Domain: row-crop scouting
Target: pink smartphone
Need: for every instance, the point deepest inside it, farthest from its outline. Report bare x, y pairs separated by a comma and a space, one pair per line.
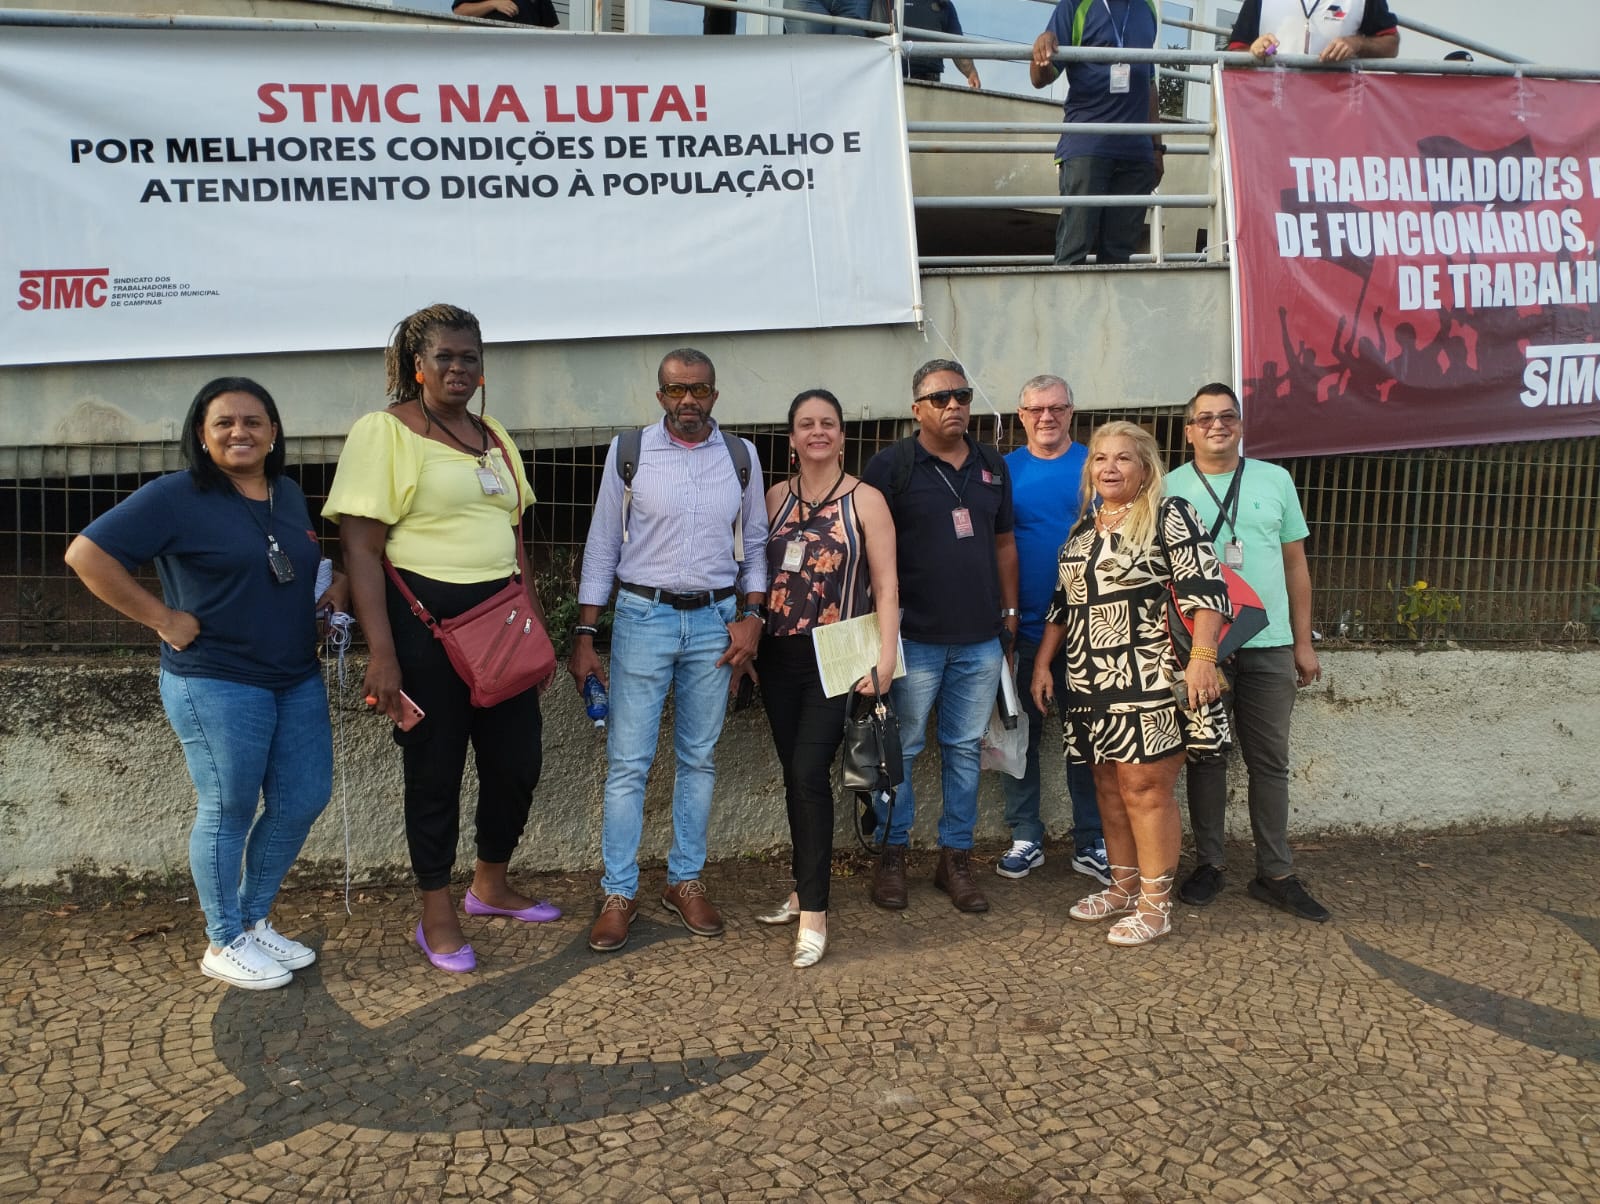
410, 713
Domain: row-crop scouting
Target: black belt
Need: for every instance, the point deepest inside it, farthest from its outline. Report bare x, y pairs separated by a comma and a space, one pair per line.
679, 601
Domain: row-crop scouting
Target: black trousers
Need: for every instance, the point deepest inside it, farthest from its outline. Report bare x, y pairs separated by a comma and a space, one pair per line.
506, 740
807, 728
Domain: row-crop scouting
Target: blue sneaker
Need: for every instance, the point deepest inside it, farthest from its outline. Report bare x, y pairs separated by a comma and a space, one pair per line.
1025, 855
1092, 861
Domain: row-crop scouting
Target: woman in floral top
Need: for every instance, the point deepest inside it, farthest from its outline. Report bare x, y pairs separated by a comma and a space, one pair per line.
831, 554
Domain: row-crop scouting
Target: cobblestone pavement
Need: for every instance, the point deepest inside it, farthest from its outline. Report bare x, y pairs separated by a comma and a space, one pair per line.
1438, 1041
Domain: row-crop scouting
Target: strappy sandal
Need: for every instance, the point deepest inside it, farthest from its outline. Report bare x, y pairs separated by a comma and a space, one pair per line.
1115, 900
1149, 919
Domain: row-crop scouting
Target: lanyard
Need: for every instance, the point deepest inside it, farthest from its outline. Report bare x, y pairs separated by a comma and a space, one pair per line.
801, 505
1309, 12
1227, 507
1121, 34
265, 527
966, 475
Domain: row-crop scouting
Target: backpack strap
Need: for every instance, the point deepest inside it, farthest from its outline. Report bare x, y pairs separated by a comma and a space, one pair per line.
627, 464
905, 458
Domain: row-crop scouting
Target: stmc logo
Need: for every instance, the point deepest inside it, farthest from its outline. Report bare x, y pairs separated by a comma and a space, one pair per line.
63, 288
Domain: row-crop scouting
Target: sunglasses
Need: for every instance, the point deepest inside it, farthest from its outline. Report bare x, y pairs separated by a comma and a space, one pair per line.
699, 391
942, 398
1210, 420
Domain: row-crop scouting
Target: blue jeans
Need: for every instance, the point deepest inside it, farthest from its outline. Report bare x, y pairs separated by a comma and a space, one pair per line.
961, 679
1022, 794
861, 10
244, 745
655, 648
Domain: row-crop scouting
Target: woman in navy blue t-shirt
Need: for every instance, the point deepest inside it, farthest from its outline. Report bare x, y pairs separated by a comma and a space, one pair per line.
233, 545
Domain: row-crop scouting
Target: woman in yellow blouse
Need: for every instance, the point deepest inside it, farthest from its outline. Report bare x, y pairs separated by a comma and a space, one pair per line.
440, 491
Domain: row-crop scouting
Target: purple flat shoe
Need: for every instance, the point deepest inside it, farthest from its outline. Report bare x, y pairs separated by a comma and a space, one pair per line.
541, 912
462, 961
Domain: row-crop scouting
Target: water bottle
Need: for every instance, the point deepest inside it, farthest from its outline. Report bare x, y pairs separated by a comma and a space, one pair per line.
595, 703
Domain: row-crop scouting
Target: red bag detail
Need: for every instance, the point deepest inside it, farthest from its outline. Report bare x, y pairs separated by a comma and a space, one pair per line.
499, 647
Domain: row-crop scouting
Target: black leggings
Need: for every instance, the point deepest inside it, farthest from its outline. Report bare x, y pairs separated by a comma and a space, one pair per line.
506, 740
806, 729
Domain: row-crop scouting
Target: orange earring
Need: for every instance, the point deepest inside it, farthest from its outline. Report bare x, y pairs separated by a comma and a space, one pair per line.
482, 382
419, 377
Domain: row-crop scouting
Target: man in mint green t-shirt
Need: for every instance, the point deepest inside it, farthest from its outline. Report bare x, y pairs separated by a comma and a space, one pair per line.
1259, 530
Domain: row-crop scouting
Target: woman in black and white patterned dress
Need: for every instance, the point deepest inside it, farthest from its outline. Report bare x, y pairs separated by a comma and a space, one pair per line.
1123, 712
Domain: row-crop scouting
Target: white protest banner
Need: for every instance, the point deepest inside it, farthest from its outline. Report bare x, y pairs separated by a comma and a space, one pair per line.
186, 193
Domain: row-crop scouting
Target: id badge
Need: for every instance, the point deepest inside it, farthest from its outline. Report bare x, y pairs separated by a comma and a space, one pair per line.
1233, 554
490, 480
278, 561
1121, 77
794, 555
961, 518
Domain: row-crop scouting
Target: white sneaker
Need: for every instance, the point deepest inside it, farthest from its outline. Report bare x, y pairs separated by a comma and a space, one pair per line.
289, 954
241, 964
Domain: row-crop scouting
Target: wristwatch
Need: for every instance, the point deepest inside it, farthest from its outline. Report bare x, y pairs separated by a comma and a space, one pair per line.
759, 611
1010, 612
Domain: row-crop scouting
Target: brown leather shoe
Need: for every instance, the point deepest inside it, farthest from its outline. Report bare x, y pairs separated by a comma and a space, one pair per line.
610, 931
889, 878
694, 907
954, 877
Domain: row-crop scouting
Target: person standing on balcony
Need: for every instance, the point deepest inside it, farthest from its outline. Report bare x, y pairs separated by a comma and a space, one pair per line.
1259, 531
1102, 164
1045, 479
541, 13
1356, 29
951, 501
860, 10
683, 546
939, 15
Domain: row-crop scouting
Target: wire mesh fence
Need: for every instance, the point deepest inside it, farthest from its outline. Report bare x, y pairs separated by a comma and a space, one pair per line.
1491, 544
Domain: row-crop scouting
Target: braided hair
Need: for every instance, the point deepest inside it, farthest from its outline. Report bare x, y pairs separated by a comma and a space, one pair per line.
410, 339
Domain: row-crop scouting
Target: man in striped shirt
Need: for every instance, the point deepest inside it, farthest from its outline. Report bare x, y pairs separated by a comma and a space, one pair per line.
688, 608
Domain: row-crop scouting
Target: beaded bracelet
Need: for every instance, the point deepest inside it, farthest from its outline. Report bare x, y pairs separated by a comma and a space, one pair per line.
1198, 653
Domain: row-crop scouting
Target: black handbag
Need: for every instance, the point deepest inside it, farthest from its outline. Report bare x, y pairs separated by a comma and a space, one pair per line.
873, 762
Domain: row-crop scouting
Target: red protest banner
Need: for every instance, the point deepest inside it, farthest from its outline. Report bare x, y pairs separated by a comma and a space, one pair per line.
1414, 258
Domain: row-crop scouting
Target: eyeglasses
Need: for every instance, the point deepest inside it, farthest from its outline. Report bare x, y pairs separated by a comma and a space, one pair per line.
1205, 421
1056, 412
942, 398
699, 390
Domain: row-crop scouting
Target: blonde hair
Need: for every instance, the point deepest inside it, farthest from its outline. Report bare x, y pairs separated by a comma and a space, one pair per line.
1138, 530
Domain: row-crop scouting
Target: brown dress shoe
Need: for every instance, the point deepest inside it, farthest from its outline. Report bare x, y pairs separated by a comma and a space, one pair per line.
954, 877
610, 931
694, 907
889, 878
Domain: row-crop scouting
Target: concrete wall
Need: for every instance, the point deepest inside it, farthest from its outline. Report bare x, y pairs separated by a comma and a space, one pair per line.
93, 780
1110, 331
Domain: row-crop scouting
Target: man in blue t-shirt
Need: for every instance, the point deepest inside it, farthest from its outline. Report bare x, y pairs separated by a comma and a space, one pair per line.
1046, 476
1102, 164
1255, 520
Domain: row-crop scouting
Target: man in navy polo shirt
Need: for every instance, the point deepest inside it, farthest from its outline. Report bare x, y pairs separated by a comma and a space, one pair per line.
942, 16
1102, 164
951, 501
